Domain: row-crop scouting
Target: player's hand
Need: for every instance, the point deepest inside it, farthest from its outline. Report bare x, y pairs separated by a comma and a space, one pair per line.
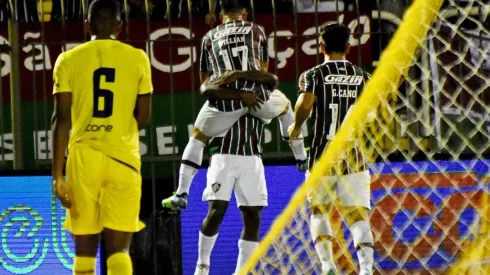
252, 100
210, 19
63, 192
294, 132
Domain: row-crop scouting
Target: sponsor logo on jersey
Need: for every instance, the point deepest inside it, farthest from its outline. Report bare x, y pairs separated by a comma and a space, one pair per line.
344, 79
98, 128
232, 30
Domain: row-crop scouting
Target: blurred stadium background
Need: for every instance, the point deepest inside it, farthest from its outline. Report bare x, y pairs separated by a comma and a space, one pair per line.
33, 33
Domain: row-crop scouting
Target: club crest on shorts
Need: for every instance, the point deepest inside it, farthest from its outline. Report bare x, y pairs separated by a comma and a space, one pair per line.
216, 187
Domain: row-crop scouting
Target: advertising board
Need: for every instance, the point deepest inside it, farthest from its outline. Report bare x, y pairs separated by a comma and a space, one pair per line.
420, 220
33, 240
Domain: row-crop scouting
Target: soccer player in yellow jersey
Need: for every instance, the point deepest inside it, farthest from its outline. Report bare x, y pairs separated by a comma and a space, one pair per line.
103, 89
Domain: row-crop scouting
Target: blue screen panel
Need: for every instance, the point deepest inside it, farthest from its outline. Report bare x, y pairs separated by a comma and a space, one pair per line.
397, 217
33, 240
282, 181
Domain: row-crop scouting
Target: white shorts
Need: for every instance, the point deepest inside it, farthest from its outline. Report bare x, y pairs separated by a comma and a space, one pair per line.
243, 174
213, 122
352, 190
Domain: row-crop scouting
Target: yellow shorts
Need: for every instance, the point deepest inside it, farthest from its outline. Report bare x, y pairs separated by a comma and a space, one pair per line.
106, 193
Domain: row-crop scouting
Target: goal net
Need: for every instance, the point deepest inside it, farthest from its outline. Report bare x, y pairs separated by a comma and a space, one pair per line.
423, 123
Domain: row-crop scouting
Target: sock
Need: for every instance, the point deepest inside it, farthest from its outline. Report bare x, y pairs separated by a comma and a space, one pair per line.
245, 250
206, 245
191, 162
119, 264
298, 148
321, 233
298, 145
364, 243
84, 266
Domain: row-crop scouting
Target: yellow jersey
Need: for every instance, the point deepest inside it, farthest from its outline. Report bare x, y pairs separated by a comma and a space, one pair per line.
105, 77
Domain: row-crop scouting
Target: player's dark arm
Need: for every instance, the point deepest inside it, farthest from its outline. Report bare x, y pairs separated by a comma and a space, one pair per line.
255, 76
142, 113
303, 108
262, 77
212, 90
60, 127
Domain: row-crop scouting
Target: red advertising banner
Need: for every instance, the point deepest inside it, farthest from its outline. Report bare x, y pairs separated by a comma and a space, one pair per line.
174, 52
424, 220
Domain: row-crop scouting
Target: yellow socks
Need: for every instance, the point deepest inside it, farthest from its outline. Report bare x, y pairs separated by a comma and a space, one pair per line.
119, 264
84, 266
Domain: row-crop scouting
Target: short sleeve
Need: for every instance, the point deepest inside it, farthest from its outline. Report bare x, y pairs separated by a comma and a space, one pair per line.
307, 82
263, 45
61, 76
204, 64
145, 85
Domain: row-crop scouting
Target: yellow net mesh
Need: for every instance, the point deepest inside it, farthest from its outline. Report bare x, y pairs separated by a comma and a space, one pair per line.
423, 123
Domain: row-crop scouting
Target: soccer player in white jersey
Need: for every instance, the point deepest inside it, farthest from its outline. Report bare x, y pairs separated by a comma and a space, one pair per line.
328, 92
235, 45
236, 166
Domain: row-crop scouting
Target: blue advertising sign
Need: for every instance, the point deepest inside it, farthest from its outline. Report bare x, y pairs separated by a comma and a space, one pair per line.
33, 240
412, 213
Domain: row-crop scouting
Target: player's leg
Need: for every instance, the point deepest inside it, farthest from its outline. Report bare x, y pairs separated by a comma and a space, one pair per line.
84, 177
249, 240
119, 214
320, 227
219, 186
210, 122
209, 233
355, 194
117, 247
251, 197
279, 106
85, 252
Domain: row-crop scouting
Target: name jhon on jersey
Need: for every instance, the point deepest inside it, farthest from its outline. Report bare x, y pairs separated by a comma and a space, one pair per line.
343, 79
232, 31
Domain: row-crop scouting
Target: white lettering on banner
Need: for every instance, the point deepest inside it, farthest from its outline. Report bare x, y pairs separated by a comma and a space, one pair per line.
365, 32
150, 49
282, 57
40, 59
4, 58
164, 140
43, 142
143, 147
38, 56
6, 147
310, 46
43, 145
